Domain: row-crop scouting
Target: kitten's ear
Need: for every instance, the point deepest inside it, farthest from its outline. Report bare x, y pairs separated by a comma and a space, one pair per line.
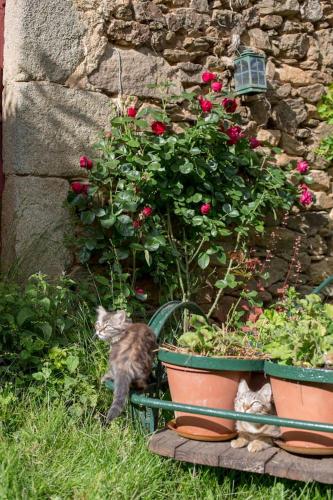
101, 313
266, 392
243, 387
119, 316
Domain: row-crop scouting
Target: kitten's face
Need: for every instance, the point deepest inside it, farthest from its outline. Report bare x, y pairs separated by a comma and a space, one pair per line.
109, 324
248, 401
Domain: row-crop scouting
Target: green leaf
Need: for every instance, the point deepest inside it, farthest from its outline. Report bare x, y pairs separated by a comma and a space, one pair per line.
186, 168
47, 330
23, 315
87, 217
108, 221
204, 260
197, 220
148, 258
72, 362
197, 197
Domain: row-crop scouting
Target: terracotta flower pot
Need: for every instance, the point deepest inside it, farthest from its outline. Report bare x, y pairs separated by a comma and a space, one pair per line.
213, 387
303, 394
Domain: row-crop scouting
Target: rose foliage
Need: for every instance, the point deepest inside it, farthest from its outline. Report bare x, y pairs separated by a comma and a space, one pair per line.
161, 203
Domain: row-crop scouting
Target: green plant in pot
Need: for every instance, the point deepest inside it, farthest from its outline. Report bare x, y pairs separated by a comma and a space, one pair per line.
297, 334
205, 368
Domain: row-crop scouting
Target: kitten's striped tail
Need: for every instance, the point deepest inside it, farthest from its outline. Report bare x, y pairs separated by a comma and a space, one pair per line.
122, 382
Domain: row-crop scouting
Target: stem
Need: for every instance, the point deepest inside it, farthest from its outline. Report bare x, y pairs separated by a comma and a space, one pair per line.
218, 296
197, 251
171, 240
134, 268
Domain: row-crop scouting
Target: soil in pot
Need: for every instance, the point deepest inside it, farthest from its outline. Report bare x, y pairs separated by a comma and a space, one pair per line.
214, 389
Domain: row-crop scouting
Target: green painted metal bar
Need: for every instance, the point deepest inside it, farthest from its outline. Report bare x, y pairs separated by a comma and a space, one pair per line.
323, 284
162, 315
233, 415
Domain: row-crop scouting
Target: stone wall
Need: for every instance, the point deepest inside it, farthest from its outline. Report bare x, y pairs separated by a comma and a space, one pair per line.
66, 60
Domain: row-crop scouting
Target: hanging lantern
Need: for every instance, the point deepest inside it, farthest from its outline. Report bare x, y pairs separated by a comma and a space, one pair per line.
250, 73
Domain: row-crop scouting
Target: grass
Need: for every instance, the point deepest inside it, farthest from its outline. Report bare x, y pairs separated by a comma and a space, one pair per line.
47, 453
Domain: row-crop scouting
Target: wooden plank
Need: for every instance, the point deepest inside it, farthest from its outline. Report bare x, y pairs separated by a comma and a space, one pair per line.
201, 452
273, 461
242, 459
299, 468
165, 443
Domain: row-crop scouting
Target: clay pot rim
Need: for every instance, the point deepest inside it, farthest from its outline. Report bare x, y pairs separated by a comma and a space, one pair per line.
298, 373
210, 363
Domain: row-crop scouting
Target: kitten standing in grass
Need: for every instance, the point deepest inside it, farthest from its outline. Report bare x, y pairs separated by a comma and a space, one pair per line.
256, 437
133, 348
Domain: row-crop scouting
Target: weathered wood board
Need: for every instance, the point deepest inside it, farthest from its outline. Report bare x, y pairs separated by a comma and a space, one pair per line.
273, 461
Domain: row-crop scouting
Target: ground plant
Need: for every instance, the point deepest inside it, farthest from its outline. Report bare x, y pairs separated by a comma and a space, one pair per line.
158, 203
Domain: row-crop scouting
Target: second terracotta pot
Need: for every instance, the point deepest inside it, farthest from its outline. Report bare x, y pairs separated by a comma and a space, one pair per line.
303, 394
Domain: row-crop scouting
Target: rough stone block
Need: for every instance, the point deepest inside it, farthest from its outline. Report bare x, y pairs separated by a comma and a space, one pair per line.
47, 127
325, 42
34, 221
138, 69
43, 40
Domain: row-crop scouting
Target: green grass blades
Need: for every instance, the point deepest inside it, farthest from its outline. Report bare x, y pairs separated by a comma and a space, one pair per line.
47, 453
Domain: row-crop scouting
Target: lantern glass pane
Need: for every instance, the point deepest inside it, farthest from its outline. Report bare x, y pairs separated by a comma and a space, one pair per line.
261, 78
246, 78
255, 78
245, 65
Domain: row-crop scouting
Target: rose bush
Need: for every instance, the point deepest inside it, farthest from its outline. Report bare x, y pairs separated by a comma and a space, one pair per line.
160, 203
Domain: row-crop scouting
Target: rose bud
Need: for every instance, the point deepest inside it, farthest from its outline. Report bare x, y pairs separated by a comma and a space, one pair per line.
85, 162
131, 112
216, 86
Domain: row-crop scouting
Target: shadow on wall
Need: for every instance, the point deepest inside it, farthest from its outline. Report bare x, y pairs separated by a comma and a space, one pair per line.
46, 127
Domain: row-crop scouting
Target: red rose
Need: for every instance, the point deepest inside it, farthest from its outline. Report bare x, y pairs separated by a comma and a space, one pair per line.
147, 211
131, 112
254, 143
79, 187
205, 208
208, 77
136, 224
216, 86
230, 105
140, 291
205, 104
85, 162
158, 128
235, 134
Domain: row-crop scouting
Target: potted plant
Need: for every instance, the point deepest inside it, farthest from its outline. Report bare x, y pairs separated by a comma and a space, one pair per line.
297, 334
204, 370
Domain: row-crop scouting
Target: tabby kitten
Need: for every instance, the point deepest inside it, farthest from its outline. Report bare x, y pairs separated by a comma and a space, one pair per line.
256, 437
133, 347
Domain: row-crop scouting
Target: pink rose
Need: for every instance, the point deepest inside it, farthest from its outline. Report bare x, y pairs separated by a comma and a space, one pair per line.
140, 291
205, 208
302, 166
254, 143
235, 134
158, 128
205, 104
147, 211
131, 112
85, 162
216, 86
208, 77
306, 197
230, 105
